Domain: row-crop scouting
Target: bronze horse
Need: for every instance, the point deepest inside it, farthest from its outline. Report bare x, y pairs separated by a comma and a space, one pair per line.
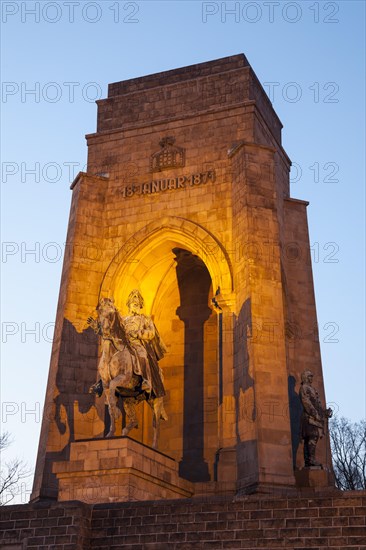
116, 369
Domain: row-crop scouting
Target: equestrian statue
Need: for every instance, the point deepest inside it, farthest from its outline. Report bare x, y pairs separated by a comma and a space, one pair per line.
128, 366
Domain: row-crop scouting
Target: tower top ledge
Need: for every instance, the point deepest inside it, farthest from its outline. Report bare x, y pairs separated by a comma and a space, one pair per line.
174, 76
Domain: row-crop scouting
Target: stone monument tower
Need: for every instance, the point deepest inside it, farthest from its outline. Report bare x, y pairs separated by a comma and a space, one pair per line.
186, 198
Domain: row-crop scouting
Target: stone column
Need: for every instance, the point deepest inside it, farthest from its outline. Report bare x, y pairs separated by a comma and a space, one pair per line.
194, 283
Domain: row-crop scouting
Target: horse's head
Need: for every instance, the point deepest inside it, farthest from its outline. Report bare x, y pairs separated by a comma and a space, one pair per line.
106, 315
110, 322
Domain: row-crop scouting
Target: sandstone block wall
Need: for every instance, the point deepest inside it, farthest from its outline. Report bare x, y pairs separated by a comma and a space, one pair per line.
332, 522
217, 223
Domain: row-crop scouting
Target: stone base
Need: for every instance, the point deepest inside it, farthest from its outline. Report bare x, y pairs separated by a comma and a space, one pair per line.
117, 470
329, 521
314, 477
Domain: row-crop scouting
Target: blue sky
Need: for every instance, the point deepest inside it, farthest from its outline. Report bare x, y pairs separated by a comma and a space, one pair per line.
311, 54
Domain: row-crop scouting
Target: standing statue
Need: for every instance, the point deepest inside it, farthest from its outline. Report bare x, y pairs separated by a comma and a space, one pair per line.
313, 418
128, 367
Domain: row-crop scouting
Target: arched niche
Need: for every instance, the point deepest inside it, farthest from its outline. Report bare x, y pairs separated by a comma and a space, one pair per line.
178, 267
146, 255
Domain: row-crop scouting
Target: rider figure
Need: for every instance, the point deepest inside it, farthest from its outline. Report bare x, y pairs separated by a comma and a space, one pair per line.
146, 344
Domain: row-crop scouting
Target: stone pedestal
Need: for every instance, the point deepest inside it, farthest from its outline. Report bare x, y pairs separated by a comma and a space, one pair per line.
314, 477
117, 470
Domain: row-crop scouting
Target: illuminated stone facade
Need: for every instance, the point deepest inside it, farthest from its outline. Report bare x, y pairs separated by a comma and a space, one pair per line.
186, 197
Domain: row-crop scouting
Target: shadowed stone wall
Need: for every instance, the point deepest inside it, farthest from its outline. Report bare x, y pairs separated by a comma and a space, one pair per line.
334, 522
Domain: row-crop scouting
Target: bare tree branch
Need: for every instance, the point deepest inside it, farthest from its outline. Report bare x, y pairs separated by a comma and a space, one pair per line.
348, 443
5, 441
11, 474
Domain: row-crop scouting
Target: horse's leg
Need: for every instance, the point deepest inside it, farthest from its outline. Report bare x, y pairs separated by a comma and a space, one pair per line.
114, 411
157, 407
163, 415
103, 369
112, 427
129, 406
121, 371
